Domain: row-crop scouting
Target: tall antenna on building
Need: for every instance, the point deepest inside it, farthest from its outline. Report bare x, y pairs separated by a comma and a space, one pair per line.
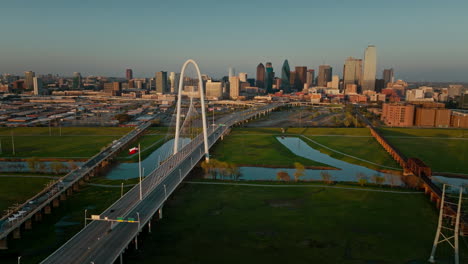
448, 228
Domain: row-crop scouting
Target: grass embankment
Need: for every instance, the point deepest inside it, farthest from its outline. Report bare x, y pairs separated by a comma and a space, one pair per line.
56, 228
258, 147
240, 224
366, 148
257, 150
444, 150
75, 142
18, 190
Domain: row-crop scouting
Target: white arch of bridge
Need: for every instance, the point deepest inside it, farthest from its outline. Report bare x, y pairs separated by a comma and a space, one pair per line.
179, 101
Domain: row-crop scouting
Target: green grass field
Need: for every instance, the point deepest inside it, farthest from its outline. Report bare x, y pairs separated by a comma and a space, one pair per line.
425, 132
366, 148
435, 149
239, 224
258, 146
257, 150
66, 131
18, 190
75, 142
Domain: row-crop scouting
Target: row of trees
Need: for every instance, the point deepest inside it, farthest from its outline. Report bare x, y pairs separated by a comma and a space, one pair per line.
56, 167
362, 179
223, 169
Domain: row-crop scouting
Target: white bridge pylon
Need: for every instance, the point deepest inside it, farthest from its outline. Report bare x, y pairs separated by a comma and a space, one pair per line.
179, 102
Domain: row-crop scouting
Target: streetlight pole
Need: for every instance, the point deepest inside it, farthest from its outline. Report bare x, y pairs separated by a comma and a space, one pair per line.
138, 214
13, 142
19, 259
85, 211
139, 169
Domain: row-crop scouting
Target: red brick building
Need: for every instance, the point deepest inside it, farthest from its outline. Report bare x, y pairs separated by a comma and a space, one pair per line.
398, 115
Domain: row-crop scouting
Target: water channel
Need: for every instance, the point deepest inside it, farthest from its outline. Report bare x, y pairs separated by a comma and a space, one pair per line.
346, 172
123, 171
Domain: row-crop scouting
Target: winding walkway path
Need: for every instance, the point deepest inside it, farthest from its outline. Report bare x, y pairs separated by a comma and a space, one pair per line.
301, 186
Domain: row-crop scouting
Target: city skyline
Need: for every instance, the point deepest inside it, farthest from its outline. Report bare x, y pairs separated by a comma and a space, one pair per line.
89, 39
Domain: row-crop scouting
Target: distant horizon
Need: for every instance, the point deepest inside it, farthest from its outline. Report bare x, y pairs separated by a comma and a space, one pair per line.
422, 40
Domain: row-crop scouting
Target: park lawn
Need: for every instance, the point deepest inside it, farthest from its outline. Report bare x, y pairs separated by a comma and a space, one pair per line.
338, 131
366, 148
19, 190
433, 146
55, 146
424, 132
240, 224
257, 150
304, 131
55, 229
66, 131
442, 155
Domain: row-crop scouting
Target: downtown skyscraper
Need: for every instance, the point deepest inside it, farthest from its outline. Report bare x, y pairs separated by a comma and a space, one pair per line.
161, 82
352, 71
260, 76
270, 75
388, 76
324, 75
300, 78
370, 69
29, 80
285, 77
129, 74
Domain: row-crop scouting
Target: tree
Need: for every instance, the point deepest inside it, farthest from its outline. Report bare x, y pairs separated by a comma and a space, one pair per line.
362, 178
377, 179
413, 181
72, 165
326, 177
300, 169
57, 167
282, 176
33, 163
122, 118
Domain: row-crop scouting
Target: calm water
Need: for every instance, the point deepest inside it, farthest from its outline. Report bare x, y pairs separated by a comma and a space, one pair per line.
347, 171
123, 171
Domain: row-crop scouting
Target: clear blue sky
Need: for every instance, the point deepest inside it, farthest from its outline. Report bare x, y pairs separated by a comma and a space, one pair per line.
420, 39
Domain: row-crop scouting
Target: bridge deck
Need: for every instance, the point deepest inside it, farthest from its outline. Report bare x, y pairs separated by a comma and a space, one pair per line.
103, 242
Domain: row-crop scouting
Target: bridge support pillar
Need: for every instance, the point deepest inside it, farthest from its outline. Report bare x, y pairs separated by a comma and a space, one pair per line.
28, 224
56, 203
160, 213
3, 243
136, 242
76, 187
149, 225
86, 177
38, 216
81, 182
47, 209
17, 233
121, 258
63, 197
69, 191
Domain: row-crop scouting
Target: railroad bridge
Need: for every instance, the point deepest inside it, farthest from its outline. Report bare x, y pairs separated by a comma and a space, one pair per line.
416, 167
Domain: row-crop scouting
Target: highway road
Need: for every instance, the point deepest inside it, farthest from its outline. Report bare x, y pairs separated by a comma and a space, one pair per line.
102, 241
35, 204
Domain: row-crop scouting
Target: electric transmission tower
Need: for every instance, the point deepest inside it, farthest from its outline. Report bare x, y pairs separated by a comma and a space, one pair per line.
448, 228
